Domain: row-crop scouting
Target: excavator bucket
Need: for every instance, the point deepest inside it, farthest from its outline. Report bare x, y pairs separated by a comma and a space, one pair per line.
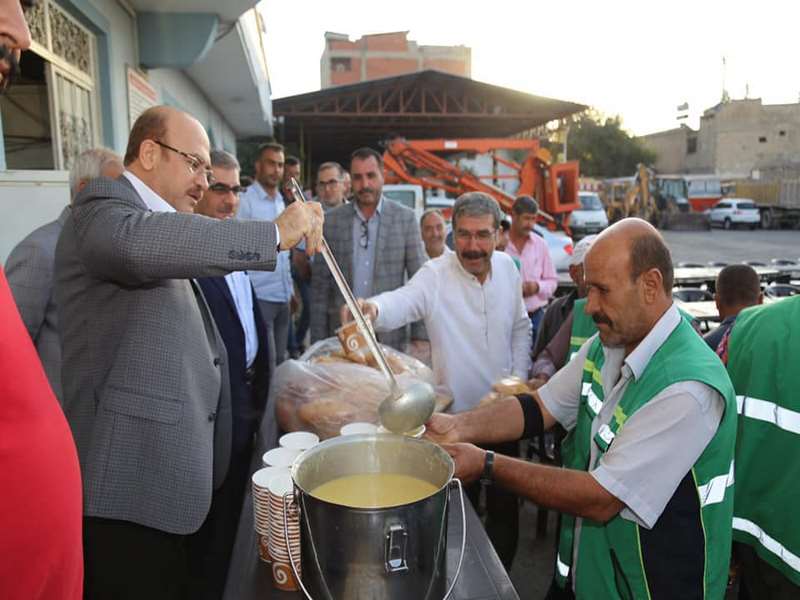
561, 193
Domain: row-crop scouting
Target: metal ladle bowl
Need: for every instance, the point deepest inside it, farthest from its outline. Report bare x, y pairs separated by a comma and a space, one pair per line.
402, 410
412, 408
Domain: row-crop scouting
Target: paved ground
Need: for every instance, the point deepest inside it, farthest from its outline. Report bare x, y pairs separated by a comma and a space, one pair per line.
733, 246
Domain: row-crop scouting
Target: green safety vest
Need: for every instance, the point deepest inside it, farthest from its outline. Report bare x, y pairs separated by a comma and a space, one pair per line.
764, 365
610, 563
583, 326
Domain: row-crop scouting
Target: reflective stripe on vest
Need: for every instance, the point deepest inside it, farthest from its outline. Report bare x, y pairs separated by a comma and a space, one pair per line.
606, 435
714, 491
792, 560
563, 569
577, 341
762, 410
594, 402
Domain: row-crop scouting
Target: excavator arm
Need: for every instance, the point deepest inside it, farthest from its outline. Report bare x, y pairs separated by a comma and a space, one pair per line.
554, 185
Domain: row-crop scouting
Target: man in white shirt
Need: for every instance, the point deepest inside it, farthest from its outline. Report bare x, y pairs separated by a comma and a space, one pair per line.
471, 302
432, 226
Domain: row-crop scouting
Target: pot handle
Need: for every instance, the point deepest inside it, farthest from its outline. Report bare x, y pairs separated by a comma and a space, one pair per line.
460, 557
295, 570
463, 537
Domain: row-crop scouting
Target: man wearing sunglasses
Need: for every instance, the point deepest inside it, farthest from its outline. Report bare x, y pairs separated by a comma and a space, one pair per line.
145, 370
234, 307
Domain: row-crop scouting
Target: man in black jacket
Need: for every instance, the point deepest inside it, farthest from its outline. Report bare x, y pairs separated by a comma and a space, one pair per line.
238, 318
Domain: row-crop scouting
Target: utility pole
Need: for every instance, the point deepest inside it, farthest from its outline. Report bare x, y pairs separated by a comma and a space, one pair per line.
725, 97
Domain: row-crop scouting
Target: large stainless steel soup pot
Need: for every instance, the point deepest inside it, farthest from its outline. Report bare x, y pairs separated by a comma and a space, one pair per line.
392, 553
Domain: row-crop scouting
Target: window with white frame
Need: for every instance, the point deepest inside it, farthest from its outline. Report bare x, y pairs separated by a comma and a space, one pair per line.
51, 114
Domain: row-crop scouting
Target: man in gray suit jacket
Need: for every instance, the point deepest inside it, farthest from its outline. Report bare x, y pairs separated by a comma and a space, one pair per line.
29, 267
377, 244
144, 368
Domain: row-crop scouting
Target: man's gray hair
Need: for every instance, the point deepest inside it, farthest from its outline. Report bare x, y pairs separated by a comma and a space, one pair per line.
224, 160
332, 165
429, 212
476, 204
89, 165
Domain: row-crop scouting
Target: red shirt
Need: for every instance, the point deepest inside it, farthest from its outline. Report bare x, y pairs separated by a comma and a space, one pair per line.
41, 556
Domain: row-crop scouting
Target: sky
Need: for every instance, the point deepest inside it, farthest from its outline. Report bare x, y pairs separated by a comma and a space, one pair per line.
639, 60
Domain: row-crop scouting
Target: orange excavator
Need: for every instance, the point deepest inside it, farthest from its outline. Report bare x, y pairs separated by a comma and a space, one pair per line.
555, 186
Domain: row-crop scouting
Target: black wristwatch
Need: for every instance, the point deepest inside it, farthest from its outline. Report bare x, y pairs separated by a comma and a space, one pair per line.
487, 477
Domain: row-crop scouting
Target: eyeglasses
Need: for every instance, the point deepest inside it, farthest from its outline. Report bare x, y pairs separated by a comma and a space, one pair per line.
484, 235
329, 183
364, 235
221, 188
194, 163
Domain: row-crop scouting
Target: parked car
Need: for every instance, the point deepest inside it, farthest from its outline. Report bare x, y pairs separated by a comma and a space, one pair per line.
781, 290
559, 244
692, 295
690, 265
409, 195
730, 212
717, 263
590, 217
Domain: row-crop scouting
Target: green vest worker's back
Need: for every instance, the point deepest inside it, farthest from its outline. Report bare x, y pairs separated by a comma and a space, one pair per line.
764, 365
687, 552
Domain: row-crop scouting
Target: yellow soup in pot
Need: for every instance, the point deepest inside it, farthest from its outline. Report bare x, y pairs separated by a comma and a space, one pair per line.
374, 490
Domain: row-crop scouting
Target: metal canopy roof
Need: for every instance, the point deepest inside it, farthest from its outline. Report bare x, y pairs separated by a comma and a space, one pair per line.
333, 122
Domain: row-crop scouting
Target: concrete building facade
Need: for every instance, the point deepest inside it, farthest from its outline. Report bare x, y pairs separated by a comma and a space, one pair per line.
95, 65
738, 138
384, 55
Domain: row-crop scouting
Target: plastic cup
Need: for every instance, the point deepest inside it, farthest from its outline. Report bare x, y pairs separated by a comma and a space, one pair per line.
299, 440
280, 457
358, 427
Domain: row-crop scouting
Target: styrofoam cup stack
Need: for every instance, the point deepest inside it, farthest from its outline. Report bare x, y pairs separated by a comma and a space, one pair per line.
281, 499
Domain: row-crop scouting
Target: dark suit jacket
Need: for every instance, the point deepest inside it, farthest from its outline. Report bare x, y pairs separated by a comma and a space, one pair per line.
247, 403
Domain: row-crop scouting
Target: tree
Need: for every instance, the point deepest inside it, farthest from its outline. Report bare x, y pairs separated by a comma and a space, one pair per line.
603, 147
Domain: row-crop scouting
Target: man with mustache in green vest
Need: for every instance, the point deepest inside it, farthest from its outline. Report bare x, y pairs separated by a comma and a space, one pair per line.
647, 489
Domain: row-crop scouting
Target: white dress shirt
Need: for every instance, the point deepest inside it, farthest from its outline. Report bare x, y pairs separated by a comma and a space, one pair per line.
445, 252
153, 201
242, 292
478, 332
